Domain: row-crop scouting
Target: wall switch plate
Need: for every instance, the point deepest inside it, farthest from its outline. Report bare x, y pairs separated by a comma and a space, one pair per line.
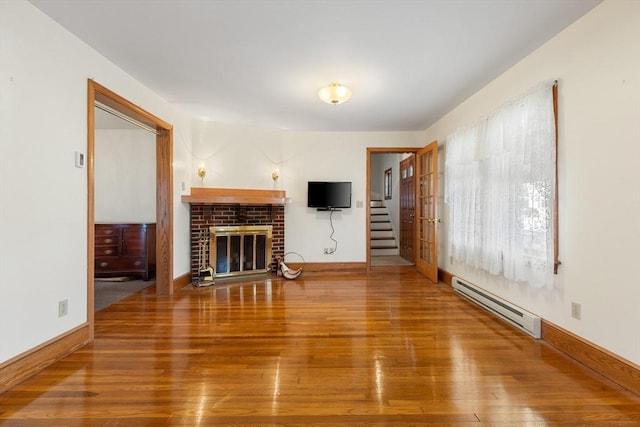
576, 310
63, 307
80, 159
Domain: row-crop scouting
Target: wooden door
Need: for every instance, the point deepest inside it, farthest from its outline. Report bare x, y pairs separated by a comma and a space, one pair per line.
426, 211
407, 208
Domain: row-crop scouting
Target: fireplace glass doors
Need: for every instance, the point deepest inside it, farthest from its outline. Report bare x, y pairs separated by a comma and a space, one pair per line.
240, 250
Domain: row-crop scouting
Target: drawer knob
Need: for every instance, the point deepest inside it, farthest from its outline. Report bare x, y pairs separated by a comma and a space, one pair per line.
108, 240
104, 264
108, 252
137, 263
108, 231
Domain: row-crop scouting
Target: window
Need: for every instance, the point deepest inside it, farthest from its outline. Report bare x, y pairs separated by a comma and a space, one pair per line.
500, 185
387, 184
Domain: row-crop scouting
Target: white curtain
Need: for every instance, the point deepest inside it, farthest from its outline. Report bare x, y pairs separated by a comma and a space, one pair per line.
499, 185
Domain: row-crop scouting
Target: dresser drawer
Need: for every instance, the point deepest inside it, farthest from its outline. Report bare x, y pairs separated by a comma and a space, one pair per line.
107, 240
106, 230
106, 250
120, 263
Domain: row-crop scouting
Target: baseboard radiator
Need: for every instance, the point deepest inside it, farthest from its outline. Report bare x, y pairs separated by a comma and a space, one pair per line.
523, 320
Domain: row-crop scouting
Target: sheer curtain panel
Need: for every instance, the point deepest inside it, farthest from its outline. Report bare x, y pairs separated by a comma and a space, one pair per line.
499, 185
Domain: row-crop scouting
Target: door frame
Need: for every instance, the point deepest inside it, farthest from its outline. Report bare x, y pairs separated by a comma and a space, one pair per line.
379, 150
164, 189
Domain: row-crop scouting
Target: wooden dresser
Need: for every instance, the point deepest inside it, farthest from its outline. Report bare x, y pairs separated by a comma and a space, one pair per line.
125, 250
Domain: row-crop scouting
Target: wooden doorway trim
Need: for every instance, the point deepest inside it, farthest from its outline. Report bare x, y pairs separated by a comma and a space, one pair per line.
164, 188
370, 151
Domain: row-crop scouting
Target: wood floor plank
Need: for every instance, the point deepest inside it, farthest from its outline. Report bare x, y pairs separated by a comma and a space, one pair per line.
387, 348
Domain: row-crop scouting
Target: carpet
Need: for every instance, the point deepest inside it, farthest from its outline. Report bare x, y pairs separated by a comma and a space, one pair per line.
109, 291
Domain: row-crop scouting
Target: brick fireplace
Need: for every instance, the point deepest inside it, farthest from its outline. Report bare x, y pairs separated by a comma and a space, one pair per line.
211, 207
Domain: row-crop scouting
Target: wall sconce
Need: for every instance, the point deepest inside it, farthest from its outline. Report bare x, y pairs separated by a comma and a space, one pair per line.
202, 172
275, 175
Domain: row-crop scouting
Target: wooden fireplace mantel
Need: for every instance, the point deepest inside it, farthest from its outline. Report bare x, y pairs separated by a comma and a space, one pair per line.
234, 196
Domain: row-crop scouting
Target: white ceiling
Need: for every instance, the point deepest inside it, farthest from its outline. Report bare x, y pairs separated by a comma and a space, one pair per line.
261, 62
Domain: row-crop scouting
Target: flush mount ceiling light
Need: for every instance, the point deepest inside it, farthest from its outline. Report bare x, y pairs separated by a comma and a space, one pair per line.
334, 94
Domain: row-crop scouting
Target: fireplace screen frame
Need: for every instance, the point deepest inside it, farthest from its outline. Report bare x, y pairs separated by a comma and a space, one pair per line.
224, 240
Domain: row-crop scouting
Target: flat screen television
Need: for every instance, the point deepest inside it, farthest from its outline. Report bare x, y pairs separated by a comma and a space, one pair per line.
328, 195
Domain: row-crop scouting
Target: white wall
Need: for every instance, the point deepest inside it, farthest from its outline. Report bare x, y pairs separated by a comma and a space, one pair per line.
236, 156
597, 63
377, 182
331, 156
124, 176
43, 196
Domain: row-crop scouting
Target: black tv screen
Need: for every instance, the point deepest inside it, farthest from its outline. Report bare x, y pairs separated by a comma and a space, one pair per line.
328, 195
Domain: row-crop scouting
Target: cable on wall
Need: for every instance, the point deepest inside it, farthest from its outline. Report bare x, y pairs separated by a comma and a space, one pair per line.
331, 251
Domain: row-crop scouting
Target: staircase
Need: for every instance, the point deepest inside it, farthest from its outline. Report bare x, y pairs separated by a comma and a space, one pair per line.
383, 239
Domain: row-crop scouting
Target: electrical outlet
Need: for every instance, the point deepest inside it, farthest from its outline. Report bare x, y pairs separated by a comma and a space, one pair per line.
576, 310
326, 251
63, 307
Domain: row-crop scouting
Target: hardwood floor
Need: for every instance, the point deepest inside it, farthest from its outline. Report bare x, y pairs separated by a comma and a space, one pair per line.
381, 349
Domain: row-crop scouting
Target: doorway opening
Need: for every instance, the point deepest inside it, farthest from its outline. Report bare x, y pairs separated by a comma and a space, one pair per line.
164, 187
390, 229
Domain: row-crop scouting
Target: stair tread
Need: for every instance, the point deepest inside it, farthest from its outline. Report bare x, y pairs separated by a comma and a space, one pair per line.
382, 238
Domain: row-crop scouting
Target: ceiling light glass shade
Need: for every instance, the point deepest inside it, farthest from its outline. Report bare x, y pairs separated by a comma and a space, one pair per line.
334, 94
